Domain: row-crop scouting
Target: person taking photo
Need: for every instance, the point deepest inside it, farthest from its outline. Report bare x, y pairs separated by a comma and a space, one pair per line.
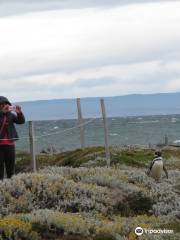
9, 115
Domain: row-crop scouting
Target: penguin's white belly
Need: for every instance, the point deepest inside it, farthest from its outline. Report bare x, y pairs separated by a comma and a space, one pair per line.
157, 169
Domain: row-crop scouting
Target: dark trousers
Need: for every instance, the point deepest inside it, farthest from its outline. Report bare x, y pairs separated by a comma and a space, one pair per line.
7, 160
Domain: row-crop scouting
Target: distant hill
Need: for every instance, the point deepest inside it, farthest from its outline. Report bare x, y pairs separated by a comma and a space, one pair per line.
129, 105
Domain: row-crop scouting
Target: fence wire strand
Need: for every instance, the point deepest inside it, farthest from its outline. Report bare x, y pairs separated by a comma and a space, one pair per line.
67, 130
54, 133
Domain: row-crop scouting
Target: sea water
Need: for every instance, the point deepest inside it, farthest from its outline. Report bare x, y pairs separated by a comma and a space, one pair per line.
64, 135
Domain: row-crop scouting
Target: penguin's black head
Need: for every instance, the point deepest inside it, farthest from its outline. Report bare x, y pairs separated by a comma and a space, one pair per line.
157, 153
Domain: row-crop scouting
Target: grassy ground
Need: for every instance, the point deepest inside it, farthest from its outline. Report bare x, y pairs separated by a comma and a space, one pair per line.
96, 155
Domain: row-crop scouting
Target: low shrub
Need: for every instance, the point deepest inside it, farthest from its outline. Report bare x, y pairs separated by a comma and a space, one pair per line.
12, 228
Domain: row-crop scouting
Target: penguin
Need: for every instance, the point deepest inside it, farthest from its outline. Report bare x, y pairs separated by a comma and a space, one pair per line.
157, 167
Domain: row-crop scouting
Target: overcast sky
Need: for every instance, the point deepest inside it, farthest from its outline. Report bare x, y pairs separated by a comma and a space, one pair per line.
75, 48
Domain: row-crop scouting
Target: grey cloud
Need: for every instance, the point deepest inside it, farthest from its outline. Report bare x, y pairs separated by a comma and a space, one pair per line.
16, 7
43, 65
150, 81
56, 66
21, 86
94, 82
160, 74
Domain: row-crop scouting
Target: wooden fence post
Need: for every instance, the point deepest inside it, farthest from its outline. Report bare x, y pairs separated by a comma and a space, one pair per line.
80, 122
106, 139
166, 140
32, 146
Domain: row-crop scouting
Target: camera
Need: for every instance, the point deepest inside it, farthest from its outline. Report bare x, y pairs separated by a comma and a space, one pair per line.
12, 108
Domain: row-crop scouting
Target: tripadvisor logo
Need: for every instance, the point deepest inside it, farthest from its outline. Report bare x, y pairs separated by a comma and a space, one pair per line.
139, 231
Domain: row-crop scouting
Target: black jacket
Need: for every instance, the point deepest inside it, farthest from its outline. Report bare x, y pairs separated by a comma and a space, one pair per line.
10, 128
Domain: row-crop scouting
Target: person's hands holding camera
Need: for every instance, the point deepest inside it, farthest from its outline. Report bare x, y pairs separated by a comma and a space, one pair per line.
8, 108
18, 109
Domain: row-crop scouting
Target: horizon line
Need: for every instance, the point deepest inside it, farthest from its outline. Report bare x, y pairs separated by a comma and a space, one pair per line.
125, 95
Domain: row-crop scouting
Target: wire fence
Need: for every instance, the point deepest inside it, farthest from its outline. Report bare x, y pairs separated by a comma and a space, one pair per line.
56, 136
65, 133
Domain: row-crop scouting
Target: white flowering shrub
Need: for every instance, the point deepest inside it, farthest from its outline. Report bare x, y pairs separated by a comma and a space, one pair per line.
130, 181
165, 195
93, 203
47, 224
26, 192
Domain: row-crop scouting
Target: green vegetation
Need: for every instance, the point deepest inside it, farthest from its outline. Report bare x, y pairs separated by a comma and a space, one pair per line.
95, 156
74, 196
